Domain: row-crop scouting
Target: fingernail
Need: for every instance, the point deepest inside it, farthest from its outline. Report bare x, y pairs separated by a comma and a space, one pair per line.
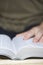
24, 38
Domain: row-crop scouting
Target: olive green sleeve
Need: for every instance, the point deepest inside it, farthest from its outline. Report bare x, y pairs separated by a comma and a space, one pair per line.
17, 15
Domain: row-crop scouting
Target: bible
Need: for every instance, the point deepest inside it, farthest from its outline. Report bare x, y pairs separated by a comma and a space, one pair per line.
17, 48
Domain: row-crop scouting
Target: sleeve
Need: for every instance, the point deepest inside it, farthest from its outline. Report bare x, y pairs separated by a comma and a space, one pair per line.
40, 4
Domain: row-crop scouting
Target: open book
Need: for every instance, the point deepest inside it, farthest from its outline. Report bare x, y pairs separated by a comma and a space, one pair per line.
17, 48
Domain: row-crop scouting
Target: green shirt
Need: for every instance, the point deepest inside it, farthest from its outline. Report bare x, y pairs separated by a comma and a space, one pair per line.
16, 15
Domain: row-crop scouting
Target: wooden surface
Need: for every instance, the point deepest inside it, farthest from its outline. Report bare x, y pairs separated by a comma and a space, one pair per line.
22, 62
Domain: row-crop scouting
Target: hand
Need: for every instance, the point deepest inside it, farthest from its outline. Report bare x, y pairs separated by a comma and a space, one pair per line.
37, 32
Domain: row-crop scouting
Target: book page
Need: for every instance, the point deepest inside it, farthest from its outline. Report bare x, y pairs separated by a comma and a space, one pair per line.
26, 48
20, 43
6, 46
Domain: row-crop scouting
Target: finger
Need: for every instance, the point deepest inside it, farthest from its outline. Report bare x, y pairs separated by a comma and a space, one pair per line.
29, 34
18, 34
41, 40
37, 37
22, 34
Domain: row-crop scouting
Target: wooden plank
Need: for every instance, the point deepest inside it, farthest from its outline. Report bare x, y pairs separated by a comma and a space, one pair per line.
22, 62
